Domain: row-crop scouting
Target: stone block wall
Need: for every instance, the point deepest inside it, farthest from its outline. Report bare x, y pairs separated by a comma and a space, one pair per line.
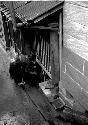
74, 69
2, 35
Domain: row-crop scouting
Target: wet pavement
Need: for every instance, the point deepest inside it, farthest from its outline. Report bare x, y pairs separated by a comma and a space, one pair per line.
31, 103
14, 99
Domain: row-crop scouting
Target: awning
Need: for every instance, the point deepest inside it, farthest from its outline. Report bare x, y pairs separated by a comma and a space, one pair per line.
31, 10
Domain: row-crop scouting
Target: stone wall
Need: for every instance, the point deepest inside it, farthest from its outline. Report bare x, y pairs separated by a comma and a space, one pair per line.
74, 71
2, 36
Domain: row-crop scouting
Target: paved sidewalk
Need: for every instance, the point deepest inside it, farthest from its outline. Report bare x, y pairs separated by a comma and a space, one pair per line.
17, 101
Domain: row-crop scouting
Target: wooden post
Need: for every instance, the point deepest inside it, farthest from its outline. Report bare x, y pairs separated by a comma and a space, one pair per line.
60, 38
54, 56
12, 12
55, 51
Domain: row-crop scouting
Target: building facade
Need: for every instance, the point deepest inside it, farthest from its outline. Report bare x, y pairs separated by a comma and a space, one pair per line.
68, 45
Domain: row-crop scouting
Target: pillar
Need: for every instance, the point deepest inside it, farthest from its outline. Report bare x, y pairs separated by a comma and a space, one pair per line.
54, 56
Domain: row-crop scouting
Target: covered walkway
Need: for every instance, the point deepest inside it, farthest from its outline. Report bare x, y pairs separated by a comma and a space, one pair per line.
35, 30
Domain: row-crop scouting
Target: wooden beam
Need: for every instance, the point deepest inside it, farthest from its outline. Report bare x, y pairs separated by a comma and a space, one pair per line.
44, 28
60, 39
42, 103
54, 56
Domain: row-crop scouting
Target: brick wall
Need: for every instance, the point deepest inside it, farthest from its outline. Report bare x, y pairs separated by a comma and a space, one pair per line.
74, 70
